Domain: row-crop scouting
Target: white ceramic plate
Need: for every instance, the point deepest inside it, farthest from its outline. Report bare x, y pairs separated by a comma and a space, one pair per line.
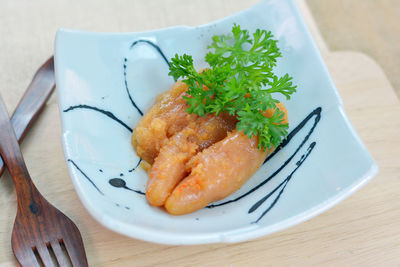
105, 81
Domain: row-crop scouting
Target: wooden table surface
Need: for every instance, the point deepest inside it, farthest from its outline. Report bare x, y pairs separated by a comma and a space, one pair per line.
368, 26
363, 230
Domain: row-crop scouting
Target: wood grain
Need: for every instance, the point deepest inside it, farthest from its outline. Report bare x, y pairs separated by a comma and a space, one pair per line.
363, 230
368, 26
32, 102
39, 227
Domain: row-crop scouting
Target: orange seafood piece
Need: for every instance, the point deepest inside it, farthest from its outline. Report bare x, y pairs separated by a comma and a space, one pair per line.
169, 166
166, 117
195, 160
218, 171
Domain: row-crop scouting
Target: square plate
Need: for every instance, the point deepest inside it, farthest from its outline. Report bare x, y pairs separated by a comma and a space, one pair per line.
106, 81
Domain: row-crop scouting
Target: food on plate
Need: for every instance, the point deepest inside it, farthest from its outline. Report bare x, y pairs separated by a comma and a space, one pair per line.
217, 171
167, 117
211, 131
169, 167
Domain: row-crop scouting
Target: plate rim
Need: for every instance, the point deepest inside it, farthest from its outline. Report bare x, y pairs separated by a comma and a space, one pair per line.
232, 236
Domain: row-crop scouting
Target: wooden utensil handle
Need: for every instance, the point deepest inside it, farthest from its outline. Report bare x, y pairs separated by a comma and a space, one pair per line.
33, 101
12, 156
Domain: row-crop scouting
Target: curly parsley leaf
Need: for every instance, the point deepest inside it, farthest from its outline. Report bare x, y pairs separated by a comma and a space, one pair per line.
240, 81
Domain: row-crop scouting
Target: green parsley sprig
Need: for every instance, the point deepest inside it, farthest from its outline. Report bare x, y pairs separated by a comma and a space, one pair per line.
240, 81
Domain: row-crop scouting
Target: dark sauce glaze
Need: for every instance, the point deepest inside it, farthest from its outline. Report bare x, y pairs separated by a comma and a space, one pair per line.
315, 113
137, 165
158, 49
283, 185
120, 206
116, 182
120, 183
84, 175
102, 111
127, 90
113, 117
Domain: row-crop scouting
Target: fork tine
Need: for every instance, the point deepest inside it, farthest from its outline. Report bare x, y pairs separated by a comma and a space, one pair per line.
60, 256
45, 255
74, 249
27, 259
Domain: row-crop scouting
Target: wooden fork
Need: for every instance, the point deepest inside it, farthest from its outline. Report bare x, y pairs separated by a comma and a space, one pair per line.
42, 235
33, 101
